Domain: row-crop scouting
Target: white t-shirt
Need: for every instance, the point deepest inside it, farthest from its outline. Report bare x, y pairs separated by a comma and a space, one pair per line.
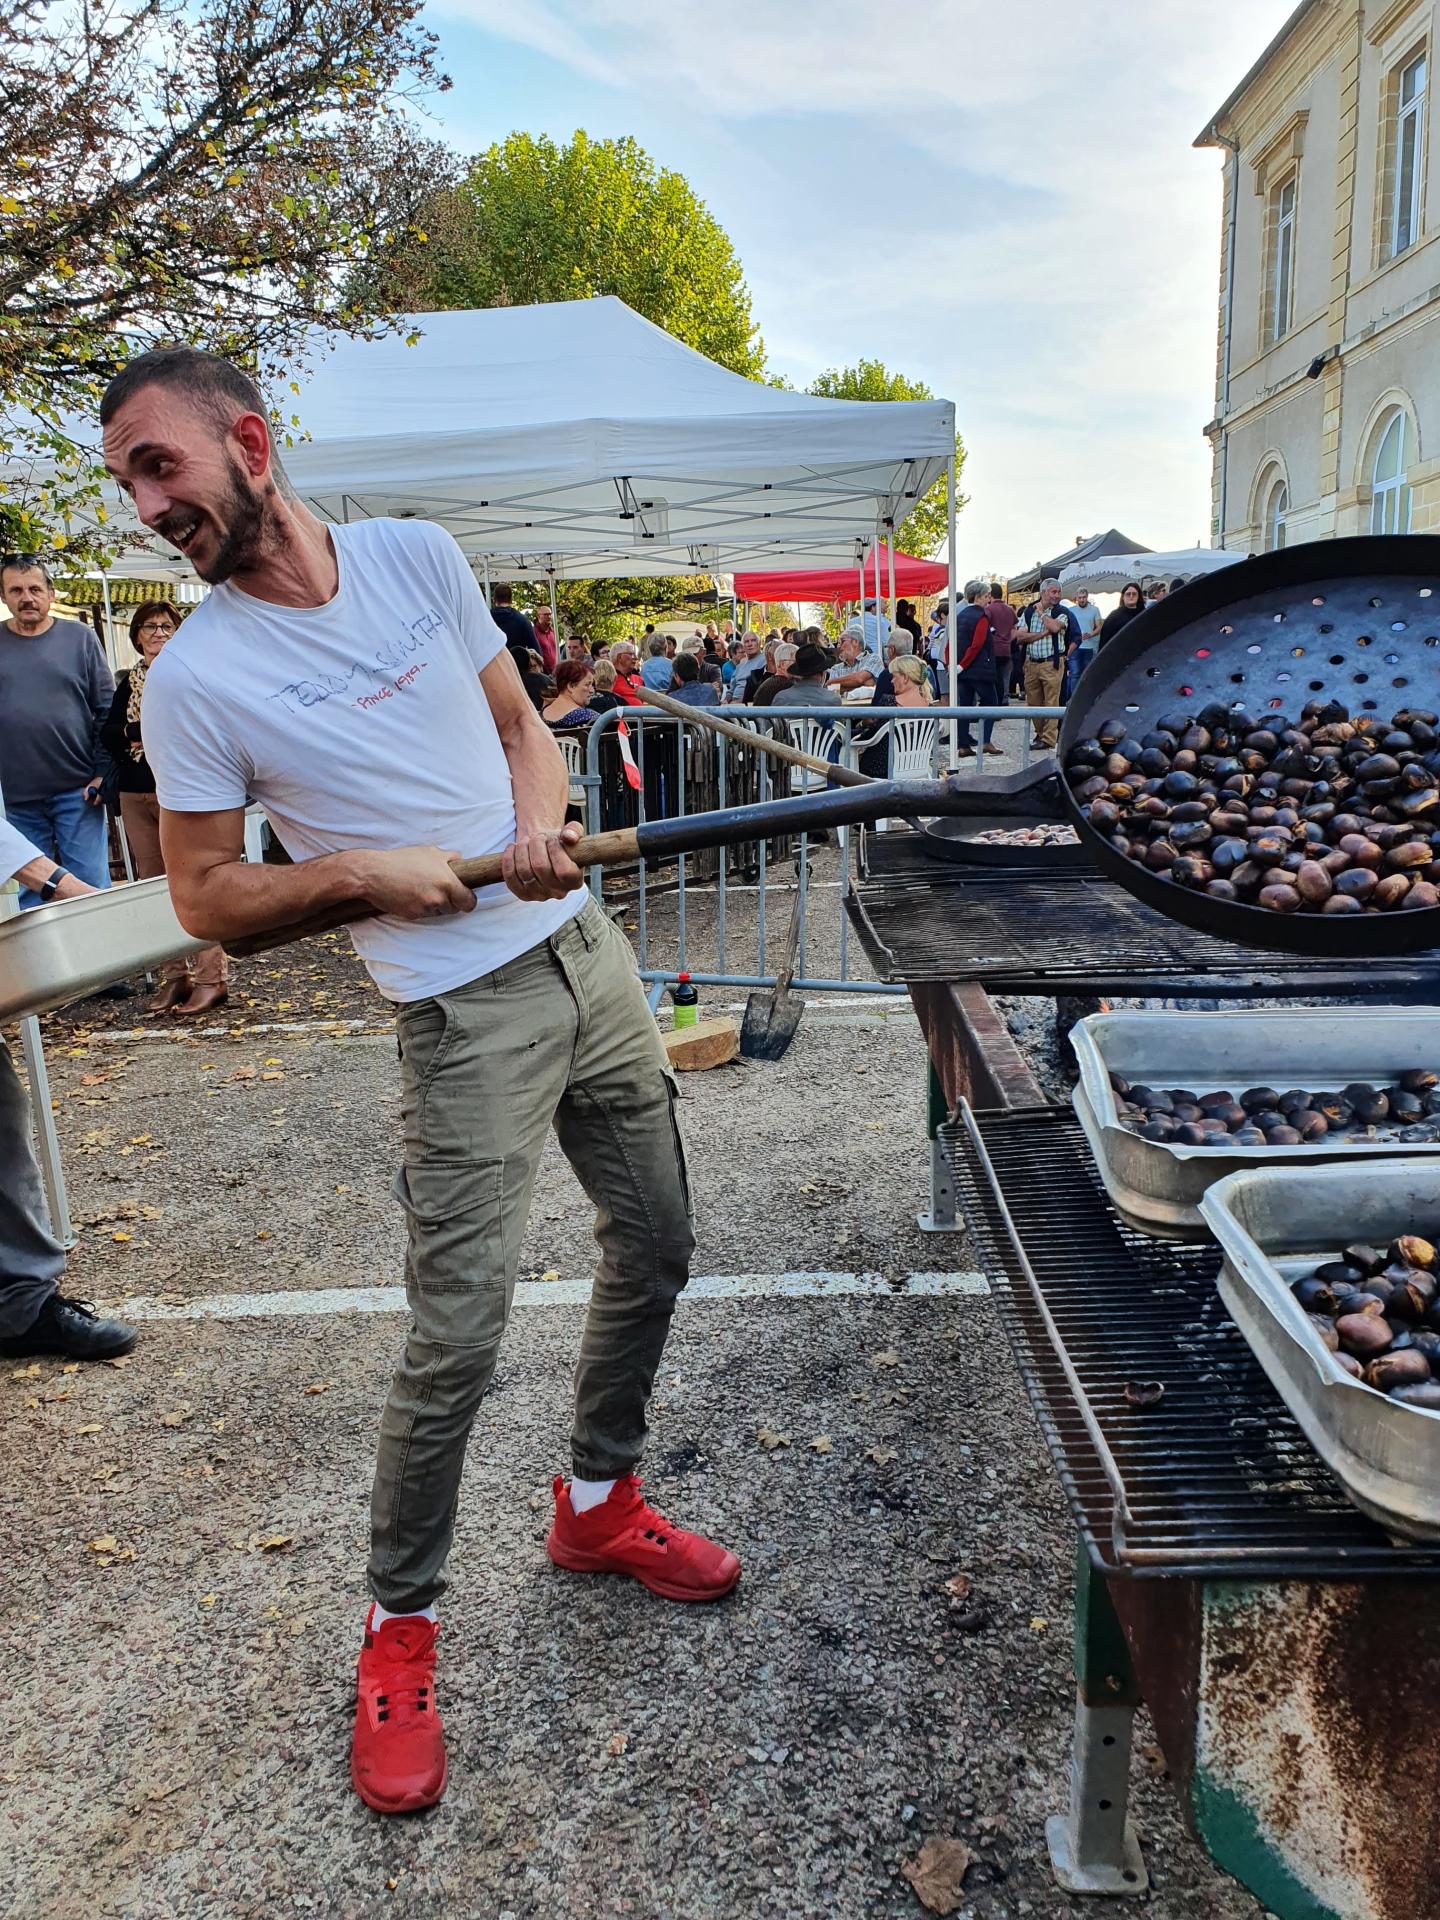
361, 723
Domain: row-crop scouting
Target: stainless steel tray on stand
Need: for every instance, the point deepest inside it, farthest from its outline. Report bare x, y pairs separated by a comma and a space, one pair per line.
1157, 1188
1274, 1226
71, 948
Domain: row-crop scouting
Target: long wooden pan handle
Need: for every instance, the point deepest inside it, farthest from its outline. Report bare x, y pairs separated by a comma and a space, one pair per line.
600, 850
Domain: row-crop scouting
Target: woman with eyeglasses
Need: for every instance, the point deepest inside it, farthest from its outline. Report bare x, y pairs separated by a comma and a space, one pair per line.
199, 985
1132, 604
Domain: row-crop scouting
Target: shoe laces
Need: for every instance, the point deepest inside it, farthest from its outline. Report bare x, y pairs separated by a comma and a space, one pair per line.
83, 1307
409, 1685
657, 1528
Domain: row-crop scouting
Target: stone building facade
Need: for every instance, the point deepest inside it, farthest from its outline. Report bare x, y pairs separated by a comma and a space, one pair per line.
1328, 370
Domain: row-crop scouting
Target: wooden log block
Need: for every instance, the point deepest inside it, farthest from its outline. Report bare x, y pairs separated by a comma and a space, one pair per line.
709, 1043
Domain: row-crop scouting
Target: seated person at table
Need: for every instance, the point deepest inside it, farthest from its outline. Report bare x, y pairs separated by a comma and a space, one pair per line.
909, 689
806, 686
853, 667
657, 671
570, 707
604, 698
689, 689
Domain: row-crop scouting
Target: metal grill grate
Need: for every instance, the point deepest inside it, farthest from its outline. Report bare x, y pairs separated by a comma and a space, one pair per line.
1022, 931
1217, 1480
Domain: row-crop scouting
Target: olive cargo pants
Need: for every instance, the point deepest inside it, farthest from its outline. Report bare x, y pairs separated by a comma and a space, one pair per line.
562, 1035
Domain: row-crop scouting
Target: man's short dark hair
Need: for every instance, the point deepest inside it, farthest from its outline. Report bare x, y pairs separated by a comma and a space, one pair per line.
685, 668
25, 563
995, 593
217, 383
502, 596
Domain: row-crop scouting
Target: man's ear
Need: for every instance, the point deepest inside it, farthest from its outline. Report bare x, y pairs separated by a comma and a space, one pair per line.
254, 437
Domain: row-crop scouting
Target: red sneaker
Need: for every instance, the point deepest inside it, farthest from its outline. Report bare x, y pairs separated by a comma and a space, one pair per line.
397, 1757
624, 1534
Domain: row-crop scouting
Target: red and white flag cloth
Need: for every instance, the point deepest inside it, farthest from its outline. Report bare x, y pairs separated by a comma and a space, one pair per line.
627, 759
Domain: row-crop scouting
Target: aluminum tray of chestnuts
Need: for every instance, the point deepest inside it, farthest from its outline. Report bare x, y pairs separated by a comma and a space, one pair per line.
1332, 814
1171, 1102
1332, 1274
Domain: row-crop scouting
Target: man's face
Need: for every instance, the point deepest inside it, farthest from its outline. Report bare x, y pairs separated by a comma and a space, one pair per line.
752, 645
189, 480
1049, 597
29, 596
624, 658
1082, 598
850, 648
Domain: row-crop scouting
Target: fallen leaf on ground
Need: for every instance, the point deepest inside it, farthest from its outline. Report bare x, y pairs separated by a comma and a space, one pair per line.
120, 1360
319, 1386
207, 1599
1038, 1623
958, 1586
120, 1236
882, 1456
27, 1373
177, 1417
92, 1427
241, 1073
937, 1873
551, 1273
618, 1743
272, 1076
887, 1359
271, 1542
822, 1443
103, 1543
767, 1438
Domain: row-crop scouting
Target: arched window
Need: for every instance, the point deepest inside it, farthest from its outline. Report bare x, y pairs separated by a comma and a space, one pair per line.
1277, 505
1389, 485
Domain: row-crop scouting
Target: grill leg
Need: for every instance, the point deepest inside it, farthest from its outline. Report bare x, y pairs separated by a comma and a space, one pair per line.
942, 1217
1093, 1848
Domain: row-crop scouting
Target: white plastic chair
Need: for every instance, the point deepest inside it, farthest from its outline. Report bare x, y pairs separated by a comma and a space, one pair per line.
573, 749
913, 742
815, 737
255, 824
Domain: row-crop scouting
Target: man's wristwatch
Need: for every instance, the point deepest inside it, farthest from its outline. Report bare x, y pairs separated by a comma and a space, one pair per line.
52, 885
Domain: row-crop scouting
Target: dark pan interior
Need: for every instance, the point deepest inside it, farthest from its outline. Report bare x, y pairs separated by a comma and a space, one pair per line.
1351, 620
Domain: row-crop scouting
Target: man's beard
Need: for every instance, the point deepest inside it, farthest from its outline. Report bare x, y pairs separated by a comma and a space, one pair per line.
241, 519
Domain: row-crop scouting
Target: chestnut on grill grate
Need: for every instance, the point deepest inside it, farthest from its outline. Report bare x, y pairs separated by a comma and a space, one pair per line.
1358, 1115
1328, 815
1377, 1311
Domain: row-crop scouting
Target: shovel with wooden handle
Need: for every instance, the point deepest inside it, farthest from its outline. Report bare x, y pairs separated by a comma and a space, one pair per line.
688, 833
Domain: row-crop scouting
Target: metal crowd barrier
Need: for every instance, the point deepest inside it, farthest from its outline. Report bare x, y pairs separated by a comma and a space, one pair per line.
683, 768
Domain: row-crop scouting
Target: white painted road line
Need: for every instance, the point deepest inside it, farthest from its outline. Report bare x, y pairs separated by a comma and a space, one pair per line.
557, 1293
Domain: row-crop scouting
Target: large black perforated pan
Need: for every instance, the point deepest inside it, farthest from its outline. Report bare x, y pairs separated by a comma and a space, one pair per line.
1356, 621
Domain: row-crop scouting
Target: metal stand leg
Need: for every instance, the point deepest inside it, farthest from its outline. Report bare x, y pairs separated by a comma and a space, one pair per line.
1093, 1848
942, 1217
47, 1141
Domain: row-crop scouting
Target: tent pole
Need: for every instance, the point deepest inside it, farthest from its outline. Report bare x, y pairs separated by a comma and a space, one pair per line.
890, 547
486, 559
109, 621
554, 610
950, 610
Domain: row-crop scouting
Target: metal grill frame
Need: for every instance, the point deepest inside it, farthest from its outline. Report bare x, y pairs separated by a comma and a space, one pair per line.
1035, 931
1217, 1481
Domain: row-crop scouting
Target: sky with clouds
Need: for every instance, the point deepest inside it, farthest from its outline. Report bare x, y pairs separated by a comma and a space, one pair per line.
1001, 200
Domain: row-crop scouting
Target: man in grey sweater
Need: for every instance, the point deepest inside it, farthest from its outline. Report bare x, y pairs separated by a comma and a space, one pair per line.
55, 694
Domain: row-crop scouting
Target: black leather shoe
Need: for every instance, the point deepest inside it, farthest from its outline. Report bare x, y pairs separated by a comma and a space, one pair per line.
71, 1329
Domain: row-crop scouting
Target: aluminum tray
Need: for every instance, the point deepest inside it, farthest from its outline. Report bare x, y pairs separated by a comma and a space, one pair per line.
74, 947
1276, 1225
1156, 1187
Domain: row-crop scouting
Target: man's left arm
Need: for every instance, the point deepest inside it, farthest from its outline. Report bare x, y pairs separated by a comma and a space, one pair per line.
537, 864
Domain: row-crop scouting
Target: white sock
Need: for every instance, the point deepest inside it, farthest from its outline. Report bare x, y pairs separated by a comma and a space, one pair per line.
380, 1616
585, 1494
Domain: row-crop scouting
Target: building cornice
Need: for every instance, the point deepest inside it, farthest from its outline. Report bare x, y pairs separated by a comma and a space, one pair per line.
1281, 151
1392, 17
1207, 136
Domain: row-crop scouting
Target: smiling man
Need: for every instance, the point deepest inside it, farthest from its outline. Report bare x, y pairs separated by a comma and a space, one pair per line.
352, 680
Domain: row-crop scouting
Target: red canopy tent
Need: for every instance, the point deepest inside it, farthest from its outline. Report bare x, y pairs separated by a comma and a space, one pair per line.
843, 583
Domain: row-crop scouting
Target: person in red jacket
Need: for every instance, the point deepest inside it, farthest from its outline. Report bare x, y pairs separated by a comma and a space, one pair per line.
629, 688
975, 661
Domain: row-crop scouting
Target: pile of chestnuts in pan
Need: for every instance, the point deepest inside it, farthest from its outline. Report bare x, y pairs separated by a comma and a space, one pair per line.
1356, 1115
1376, 1310
1325, 815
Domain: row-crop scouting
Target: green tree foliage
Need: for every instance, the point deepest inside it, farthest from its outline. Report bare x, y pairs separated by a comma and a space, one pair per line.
614, 609
214, 171
923, 530
533, 221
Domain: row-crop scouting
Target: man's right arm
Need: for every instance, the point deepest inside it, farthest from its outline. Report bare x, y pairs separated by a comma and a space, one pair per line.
220, 896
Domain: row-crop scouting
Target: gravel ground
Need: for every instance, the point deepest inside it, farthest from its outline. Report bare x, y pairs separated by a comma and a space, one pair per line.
180, 1632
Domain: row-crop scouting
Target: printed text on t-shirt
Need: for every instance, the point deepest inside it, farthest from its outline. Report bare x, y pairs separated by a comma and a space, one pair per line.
298, 695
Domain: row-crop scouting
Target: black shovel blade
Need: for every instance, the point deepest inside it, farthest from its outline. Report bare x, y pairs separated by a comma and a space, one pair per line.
769, 1024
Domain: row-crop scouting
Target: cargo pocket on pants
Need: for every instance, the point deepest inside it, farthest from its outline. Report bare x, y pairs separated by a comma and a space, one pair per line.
456, 1219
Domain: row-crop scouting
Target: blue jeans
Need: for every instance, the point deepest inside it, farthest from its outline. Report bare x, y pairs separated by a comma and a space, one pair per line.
1074, 667
68, 829
974, 689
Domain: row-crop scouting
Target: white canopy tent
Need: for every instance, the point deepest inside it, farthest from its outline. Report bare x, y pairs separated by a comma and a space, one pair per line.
1112, 571
579, 440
